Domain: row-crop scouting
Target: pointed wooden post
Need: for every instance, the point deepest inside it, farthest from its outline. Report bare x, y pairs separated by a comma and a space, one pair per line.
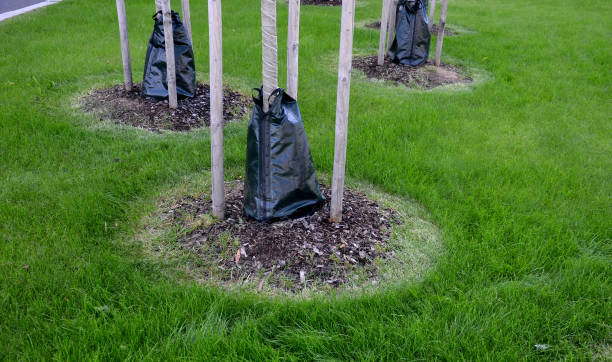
269, 53
391, 27
383, 31
432, 12
187, 17
125, 45
342, 107
442, 26
170, 63
293, 47
215, 43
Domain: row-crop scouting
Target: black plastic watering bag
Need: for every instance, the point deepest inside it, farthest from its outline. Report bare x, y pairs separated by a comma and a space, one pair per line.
154, 81
411, 43
280, 176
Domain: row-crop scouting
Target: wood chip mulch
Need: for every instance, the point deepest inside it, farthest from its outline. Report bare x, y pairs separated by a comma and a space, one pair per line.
131, 108
414, 77
305, 249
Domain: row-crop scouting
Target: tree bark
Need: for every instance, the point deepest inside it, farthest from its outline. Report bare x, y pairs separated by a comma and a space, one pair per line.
384, 19
187, 17
170, 63
293, 47
432, 13
269, 49
125, 45
392, 20
441, 32
215, 32
342, 107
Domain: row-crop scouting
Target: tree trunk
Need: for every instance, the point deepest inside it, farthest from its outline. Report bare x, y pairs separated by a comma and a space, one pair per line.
170, 63
187, 18
441, 32
342, 107
125, 45
391, 27
293, 47
432, 13
269, 49
383, 31
215, 43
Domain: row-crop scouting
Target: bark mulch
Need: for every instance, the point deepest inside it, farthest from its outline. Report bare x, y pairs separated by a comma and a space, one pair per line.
302, 250
323, 2
434, 30
425, 76
131, 108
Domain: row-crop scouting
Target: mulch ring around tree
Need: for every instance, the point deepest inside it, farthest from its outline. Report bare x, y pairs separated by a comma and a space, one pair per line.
132, 109
288, 254
426, 76
322, 2
434, 30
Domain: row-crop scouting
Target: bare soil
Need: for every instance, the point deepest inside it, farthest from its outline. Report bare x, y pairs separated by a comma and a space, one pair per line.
301, 250
131, 108
426, 76
323, 2
434, 30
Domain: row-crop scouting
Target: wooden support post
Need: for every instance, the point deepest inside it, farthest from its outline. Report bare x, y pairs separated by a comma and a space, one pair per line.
125, 45
170, 63
442, 26
216, 106
383, 31
293, 47
269, 49
187, 17
342, 107
432, 13
392, 20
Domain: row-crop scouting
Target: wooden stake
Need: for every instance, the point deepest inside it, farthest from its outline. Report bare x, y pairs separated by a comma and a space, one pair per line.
187, 17
125, 45
432, 13
383, 31
293, 47
392, 20
216, 106
170, 63
269, 49
441, 32
342, 107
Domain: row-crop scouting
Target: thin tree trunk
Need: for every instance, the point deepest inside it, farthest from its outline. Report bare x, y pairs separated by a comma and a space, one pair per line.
441, 32
269, 49
170, 63
384, 19
125, 45
187, 17
342, 107
293, 47
216, 106
392, 20
432, 13
158, 5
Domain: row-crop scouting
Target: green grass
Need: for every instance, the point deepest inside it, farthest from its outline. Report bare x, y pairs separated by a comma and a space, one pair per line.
516, 172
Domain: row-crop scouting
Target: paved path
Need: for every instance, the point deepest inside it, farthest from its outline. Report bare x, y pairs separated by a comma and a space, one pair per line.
10, 8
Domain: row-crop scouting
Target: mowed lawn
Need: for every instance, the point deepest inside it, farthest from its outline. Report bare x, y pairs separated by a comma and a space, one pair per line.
516, 172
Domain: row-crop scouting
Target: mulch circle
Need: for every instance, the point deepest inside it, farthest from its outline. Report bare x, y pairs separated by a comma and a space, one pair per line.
426, 76
303, 250
322, 2
434, 30
131, 108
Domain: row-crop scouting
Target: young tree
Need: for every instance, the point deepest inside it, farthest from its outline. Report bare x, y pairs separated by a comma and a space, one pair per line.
170, 62
391, 26
441, 32
432, 12
269, 49
187, 17
125, 45
293, 46
383, 31
342, 107
216, 106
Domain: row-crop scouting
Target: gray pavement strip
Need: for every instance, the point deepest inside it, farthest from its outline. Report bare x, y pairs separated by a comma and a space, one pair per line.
11, 8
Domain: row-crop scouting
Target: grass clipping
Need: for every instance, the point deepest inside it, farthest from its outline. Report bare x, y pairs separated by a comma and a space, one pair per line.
382, 241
